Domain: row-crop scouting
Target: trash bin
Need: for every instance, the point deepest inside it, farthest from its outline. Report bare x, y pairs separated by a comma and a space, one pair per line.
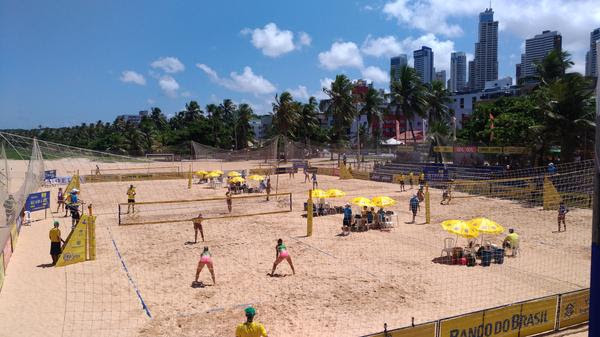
486, 258
499, 255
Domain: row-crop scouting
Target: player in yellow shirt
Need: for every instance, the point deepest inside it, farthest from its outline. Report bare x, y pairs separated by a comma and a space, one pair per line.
131, 199
401, 181
55, 241
410, 179
250, 328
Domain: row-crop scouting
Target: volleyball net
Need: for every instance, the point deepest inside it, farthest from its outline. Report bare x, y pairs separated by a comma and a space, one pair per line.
172, 211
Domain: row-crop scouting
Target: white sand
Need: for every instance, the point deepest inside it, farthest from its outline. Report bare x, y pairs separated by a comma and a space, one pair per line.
343, 285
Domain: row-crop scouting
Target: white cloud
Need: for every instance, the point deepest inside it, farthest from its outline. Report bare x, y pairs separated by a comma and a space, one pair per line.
150, 101
382, 46
323, 83
341, 54
274, 42
168, 64
130, 76
375, 74
305, 39
391, 46
247, 81
186, 94
523, 18
169, 86
300, 93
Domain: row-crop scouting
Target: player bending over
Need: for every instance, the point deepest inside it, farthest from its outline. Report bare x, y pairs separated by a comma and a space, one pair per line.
281, 254
205, 260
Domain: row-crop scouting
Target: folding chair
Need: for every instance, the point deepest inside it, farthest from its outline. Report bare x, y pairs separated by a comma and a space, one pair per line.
448, 247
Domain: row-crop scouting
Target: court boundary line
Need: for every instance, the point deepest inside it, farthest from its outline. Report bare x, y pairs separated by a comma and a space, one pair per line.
131, 281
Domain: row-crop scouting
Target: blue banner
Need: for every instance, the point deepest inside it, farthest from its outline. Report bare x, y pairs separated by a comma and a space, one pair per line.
435, 173
38, 201
50, 174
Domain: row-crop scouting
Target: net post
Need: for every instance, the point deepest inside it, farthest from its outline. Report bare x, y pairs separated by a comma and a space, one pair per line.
90, 210
427, 205
190, 178
309, 214
119, 205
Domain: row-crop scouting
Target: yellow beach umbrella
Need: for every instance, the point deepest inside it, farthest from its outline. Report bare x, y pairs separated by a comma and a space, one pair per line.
237, 180
319, 194
383, 201
256, 177
461, 228
200, 173
335, 193
486, 226
233, 174
218, 171
213, 174
361, 201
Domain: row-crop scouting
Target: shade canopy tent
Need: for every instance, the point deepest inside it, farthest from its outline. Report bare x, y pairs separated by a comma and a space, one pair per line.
392, 142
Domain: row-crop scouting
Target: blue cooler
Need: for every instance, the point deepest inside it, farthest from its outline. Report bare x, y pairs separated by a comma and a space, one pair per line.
499, 255
486, 258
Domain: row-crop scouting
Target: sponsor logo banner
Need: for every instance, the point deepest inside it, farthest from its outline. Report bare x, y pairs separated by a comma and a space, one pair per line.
443, 149
37, 201
465, 149
574, 308
489, 149
423, 330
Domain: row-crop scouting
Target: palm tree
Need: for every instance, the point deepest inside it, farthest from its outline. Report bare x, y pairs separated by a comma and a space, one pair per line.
227, 111
341, 107
408, 96
437, 99
568, 110
372, 102
285, 114
553, 66
308, 122
245, 133
437, 133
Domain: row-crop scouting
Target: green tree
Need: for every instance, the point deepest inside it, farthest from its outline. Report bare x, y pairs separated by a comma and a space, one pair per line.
285, 115
372, 102
438, 99
341, 107
245, 133
408, 96
553, 66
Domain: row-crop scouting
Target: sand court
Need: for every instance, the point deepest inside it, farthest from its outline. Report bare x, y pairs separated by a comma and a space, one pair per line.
343, 285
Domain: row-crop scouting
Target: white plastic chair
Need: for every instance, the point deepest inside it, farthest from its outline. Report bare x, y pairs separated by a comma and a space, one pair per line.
448, 247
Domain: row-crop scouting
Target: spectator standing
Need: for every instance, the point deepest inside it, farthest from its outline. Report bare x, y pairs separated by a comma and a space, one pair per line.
250, 328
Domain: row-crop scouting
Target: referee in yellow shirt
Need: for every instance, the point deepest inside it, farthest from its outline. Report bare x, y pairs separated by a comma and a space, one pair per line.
55, 243
250, 328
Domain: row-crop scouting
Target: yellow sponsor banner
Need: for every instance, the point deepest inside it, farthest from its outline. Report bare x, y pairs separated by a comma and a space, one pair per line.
466, 325
515, 150
403, 148
574, 308
92, 238
76, 246
538, 316
445, 149
502, 322
14, 235
74, 183
423, 330
489, 149
360, 175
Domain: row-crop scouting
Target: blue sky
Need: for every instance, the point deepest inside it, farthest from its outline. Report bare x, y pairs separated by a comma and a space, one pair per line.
67, 62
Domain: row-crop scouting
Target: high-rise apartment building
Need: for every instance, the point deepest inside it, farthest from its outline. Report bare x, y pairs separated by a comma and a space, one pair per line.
591, 57
486, 50
536, 49
518, 72
458, 71
424, 64
441, 76
396, 63
471, 83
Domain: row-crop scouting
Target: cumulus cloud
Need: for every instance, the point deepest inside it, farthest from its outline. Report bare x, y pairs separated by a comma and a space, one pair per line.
300, 93
247, 81
168, 85
375, 74
523, 18
274, 42
382, 46
341, 54
387, 46
130, 76
304, 39
168, 64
